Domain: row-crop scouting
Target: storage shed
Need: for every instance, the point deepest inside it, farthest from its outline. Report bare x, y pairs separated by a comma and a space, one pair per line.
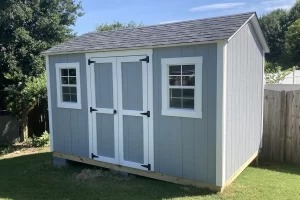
180, 102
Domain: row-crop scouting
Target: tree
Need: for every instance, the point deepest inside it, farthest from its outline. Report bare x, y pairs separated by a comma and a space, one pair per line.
27, 29
294, 13
274, 26
117, 25
292, 43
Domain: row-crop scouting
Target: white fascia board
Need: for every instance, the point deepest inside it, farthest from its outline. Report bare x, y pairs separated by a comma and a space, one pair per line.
254, 21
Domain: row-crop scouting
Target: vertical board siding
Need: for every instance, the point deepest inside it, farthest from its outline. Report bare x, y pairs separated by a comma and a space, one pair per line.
133, 139
70, 126
104, 85
244, 97
105, 135
186, 147
132, 85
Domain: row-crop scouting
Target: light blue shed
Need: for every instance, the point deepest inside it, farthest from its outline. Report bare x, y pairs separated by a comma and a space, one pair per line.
180, 102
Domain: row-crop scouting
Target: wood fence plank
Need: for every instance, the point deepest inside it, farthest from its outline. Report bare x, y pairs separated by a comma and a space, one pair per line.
282, 124
294, 122
289, 127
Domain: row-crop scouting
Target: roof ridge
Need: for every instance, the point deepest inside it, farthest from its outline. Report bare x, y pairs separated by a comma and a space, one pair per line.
155, 25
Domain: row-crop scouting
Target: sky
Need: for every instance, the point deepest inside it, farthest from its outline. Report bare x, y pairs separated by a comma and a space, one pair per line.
150, 12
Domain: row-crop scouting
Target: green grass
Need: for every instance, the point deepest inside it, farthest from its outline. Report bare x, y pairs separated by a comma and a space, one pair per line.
32, 176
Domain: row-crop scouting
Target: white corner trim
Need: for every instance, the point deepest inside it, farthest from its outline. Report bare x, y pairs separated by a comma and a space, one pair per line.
221, 113
60, 102
49, 103
262, 100
166, 111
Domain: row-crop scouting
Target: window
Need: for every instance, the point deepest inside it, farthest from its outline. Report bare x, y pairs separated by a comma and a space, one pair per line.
182, 87
68, 85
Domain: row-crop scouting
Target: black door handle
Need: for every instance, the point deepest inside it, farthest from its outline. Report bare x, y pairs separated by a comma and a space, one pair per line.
146, 113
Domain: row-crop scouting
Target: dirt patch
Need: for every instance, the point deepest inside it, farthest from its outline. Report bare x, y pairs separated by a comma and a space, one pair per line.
92, 174
19, 151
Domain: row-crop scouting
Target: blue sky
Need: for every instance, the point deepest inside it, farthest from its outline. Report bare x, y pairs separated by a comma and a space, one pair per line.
151, 12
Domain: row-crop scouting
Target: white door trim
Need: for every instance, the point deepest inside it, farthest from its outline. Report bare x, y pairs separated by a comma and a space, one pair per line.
101, 55
111, 60
136, 113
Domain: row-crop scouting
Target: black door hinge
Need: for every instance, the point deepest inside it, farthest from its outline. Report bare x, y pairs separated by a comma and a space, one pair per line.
147, 166
92, 109
146, 113
115, 111
145, 59
94, 156
90, 61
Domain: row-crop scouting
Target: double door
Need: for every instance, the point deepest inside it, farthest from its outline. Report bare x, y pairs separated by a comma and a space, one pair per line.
120, 114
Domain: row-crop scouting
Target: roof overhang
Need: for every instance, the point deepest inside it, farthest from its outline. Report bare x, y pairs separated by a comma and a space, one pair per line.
133, 48
254, 21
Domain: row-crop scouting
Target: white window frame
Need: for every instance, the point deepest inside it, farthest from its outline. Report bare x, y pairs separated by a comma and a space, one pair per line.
177, 112
60, 103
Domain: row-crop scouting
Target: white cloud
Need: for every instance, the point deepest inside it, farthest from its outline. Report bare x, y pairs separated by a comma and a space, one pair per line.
272, 2
216, 6
285, 7
172, 21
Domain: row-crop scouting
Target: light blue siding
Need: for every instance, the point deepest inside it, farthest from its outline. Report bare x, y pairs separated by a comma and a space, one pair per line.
133, 139
183, 147
244, 99
186, 147
132, 84
103, 85
70, 126
105, 135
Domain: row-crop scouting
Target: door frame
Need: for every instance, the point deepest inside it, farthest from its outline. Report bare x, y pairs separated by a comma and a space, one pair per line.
111, 60
137, 52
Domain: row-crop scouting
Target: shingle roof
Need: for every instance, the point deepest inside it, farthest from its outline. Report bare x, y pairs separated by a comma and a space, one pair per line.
202, 30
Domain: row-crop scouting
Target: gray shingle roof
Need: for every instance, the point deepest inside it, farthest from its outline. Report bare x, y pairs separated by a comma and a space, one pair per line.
202, 30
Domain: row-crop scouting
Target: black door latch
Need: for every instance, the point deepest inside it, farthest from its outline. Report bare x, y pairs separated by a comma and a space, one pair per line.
147, 166
92, 109
146, 113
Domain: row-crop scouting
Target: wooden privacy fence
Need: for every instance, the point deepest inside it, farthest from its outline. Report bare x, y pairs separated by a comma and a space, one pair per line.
281, 132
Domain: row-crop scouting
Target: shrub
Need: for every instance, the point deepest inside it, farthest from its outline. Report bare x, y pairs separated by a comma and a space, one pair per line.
43, 141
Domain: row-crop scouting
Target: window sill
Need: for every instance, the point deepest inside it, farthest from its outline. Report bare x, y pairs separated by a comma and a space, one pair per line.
181, 113
69, 105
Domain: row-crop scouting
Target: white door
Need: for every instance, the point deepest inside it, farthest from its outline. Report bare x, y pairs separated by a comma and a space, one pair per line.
120, 111
133, 112
103, 109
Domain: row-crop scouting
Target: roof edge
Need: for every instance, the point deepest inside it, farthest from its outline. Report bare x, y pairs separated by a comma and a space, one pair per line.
254, 20
132, 48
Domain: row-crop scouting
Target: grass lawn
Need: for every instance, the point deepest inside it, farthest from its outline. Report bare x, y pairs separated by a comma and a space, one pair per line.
28, 174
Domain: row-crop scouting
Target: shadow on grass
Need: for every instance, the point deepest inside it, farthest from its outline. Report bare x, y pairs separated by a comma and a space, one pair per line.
34, 177
279, 167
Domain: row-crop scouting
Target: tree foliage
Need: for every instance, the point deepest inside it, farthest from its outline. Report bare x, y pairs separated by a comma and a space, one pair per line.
29, 27
292, 43
117, 25
275, 75
274, 25
280, 31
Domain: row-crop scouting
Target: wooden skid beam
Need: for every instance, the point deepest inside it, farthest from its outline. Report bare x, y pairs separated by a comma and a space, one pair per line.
241, 169
149, 174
